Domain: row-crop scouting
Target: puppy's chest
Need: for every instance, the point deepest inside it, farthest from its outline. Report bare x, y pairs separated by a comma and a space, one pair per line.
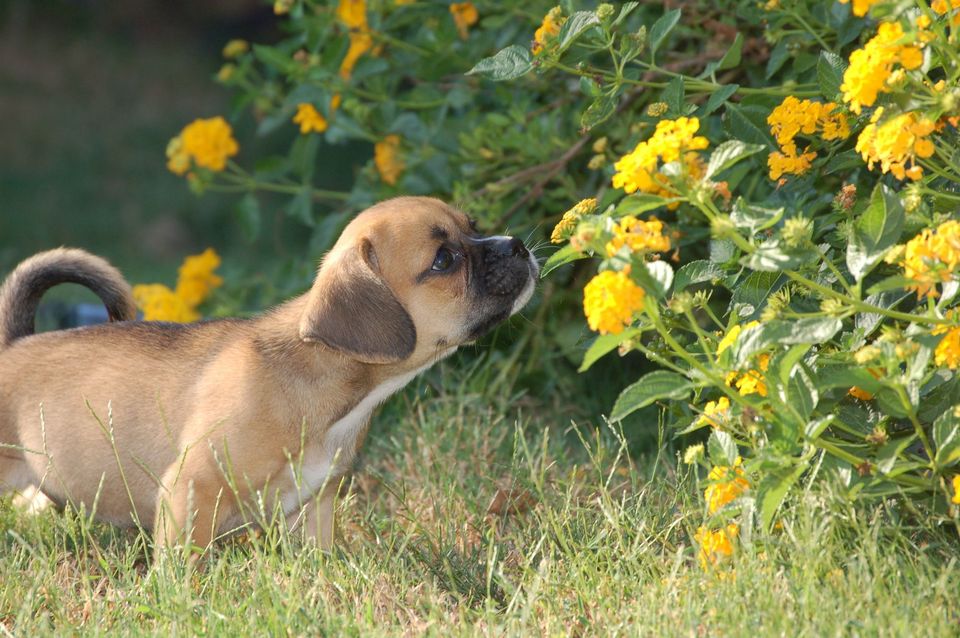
330, 455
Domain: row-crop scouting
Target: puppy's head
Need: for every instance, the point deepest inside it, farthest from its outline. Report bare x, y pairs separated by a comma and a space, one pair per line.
411, 278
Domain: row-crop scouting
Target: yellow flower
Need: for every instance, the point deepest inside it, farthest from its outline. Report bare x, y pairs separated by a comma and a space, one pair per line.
208, 143
751, 382
731, 337
549, 29
942, 6
860, 7
235, 48
727, 484
386, 157
353, 14
196, 278
464, 15
789, 162
638, 236
635, 170
859, 393
932, 257
309, 119
895, 143
568, 223
715, 545
948, 350
871, 66
715, 412
610, 300
226, 72
159, 303
956, 490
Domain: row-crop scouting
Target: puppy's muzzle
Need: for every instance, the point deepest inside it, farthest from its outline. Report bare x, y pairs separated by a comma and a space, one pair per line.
505, 266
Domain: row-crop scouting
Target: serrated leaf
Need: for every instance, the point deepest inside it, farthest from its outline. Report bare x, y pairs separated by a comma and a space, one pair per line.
651, 387
604, 344
673, 95
755, 289
874, 231
728, 154
843, 161
599, 111
273, 58
508, 64
748, 124
773, 489
722, 448
696, 272
565, 255
248, 215
718, 97
779, 55
771, 256
662, 28
574, 27
830, 70
625, 10
754, 218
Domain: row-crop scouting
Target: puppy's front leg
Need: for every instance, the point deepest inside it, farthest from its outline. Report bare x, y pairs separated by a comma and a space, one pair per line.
188, 510
316, 518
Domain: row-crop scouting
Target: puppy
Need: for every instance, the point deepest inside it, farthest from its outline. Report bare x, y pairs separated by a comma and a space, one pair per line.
188, 429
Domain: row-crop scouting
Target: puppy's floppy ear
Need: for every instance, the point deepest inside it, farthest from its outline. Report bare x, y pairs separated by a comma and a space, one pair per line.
352, 310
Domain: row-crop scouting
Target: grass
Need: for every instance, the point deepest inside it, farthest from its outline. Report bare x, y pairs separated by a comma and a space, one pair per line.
470, 516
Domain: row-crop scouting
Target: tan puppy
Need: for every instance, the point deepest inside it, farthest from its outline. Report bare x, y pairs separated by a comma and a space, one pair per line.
185, 428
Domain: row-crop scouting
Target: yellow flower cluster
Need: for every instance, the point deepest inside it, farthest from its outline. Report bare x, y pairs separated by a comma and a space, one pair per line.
610, 300
793, 117
751, 382
715, 413
548, 30
204, 142
386, 157
464, 15
638, 235
568, 223
715, 545
859, 393
194, 284
727, 483
860, 7
956, 490
731, 337
895, 143
235, 48
871, 66
353, 14
932, 257
636, 171
948, 350
309, 119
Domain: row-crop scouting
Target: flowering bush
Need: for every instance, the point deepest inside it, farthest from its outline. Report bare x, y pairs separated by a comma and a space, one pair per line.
195, 282
769, 199
818, 336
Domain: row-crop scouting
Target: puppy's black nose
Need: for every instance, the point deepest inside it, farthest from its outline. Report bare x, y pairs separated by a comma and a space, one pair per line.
517, 249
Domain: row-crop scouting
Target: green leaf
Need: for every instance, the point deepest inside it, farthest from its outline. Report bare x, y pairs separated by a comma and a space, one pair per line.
673, 95
773, 489
722, 448
641, 203
274, 58
813, 330
755, 289
875, 231
248, 216
574, 27
301, 206
788, 361
815, 428
830, 69
599, 111
651, 387
843, 162
946, 438
604, 344
731, 58
565, 255
779, 55
728, 154
718, 97
697, 272
753, 218
771, 256
625, 10
801, 393
662, 28
508, 64
748, 123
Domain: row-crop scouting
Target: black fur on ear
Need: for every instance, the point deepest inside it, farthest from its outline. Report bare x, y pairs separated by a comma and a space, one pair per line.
352, 310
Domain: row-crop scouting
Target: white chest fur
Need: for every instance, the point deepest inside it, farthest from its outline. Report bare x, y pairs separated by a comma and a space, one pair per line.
325, 460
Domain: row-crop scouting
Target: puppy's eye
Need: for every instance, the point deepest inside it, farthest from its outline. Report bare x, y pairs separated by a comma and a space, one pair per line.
444, 259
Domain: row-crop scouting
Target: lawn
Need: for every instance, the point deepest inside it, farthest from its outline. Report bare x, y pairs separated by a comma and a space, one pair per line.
475, 516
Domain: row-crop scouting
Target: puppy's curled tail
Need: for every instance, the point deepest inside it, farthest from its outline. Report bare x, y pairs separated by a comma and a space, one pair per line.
21, 292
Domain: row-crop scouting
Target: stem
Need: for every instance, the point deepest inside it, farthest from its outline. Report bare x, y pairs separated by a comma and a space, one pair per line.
905, 401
